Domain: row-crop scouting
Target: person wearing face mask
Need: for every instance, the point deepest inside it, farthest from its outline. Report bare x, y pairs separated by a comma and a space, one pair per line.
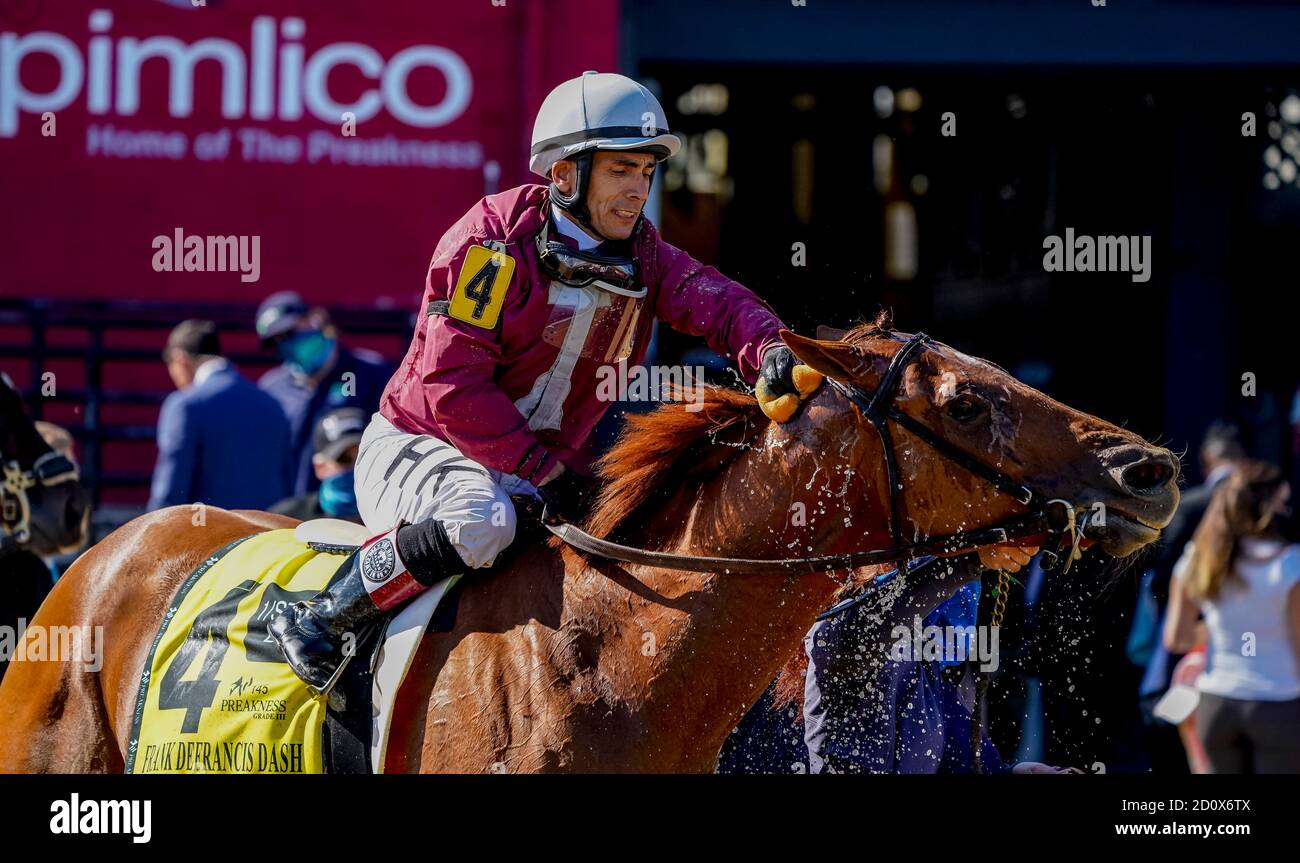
335, 441
316, 375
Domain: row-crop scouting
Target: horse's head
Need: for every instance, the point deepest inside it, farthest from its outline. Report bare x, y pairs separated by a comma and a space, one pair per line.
44, 508
1126, 486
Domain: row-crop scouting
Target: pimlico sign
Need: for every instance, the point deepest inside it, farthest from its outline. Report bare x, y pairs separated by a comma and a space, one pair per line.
121, 120
271, 76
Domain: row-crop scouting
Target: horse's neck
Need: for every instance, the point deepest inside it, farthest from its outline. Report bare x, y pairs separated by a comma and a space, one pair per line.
694, 651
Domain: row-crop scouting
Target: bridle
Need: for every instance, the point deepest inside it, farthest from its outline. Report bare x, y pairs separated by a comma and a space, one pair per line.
1052, 520
1055, 517
49, 469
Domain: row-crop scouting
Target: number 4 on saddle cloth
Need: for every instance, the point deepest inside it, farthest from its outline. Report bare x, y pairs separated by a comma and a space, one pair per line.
216, 695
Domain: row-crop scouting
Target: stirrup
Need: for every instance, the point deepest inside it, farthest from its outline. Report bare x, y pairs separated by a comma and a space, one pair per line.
361, 638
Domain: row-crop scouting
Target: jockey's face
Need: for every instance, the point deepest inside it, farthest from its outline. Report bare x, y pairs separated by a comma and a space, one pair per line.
617, 191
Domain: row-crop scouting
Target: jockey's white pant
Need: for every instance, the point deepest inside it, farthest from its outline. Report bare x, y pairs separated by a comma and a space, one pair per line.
408, 478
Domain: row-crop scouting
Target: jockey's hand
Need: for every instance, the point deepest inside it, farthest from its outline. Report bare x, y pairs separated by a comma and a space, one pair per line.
566, 496
784, 382
1006, 557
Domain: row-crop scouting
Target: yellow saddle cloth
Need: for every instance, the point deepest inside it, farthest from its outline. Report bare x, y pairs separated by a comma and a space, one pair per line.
216, 695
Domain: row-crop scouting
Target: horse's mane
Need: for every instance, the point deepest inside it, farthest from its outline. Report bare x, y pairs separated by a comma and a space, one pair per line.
658, 448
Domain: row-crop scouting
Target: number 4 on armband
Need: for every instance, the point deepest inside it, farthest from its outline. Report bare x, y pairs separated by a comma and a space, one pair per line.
481, 286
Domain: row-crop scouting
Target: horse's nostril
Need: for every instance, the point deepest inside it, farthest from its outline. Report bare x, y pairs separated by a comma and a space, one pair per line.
1147, 475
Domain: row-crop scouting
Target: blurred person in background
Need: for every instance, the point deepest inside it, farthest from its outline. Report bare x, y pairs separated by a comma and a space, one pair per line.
336, 441
867, 713
1293, 528
877, 704
317, 374
221, 440
1242, 577
1220, 452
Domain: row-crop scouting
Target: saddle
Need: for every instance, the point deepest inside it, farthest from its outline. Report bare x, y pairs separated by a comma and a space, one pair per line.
215, 694
360, 706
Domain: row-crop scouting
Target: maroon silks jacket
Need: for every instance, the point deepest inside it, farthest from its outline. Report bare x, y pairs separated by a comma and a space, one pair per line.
460, 382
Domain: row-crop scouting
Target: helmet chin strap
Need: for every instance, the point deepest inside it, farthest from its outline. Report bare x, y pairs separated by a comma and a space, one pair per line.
575, 203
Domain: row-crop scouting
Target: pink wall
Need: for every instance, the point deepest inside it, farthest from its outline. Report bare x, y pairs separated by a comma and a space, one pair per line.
79, 222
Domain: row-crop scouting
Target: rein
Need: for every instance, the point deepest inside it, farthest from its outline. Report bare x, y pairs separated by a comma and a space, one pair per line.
1054, 520
1033, 525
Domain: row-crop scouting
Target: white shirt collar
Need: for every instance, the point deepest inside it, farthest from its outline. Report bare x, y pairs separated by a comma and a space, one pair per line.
208, 368
566, 226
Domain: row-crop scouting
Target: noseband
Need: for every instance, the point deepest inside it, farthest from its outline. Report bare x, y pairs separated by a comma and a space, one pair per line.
1054, 518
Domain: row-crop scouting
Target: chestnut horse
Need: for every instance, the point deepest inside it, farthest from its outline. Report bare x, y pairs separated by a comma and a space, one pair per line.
559, 661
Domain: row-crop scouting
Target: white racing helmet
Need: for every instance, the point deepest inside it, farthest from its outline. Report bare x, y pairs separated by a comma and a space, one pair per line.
596, 111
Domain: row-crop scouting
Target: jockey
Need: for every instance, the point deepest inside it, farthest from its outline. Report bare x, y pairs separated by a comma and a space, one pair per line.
528, 297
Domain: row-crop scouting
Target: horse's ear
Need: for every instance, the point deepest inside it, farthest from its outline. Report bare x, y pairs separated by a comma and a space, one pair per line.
837, 360
830, 334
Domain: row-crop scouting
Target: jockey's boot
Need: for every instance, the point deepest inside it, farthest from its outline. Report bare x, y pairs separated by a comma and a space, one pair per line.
319, 635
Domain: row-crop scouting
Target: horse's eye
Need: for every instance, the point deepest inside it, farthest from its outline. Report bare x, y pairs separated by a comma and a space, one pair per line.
965, 407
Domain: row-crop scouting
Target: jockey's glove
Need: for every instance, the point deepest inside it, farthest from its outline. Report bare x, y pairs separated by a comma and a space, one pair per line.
783, 383
567, 497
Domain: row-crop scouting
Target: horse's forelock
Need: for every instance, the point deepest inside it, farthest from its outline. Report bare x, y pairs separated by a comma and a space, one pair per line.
881, 326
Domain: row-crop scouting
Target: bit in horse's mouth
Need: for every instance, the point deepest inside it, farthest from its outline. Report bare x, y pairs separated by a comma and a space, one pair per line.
1129, 517
1122, 534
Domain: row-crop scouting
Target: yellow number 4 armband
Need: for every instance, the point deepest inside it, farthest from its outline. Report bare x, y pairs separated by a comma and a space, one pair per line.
481, 287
